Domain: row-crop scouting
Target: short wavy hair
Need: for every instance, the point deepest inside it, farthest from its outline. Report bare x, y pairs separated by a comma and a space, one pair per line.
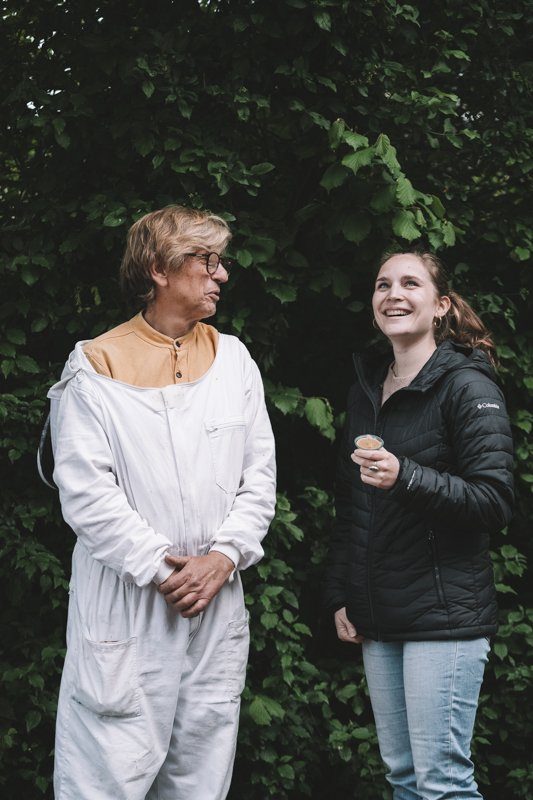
162, 238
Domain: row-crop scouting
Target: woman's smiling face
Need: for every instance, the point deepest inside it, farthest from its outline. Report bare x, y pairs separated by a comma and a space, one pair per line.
405, 301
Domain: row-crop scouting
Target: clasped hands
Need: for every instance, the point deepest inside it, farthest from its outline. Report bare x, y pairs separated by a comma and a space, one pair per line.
379, 468
195, 581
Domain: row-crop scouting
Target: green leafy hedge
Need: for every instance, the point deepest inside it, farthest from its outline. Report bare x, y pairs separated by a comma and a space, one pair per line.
324, 131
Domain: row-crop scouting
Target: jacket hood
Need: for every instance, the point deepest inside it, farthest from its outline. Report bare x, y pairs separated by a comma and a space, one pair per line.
76, 361
449, 356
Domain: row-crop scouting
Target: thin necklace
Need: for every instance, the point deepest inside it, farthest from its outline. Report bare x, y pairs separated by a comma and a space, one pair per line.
400, 377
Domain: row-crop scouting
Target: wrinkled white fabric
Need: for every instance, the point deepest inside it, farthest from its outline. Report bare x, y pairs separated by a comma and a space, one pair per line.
146, 696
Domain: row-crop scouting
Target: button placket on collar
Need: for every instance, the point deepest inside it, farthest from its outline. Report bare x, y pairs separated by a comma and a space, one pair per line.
178, 372
180, 352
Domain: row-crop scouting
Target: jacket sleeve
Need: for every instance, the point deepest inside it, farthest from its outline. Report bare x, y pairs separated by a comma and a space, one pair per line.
481, 493
336, 567
240, 535
92, 503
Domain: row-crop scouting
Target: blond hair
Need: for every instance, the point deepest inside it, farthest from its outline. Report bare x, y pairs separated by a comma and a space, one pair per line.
161, 239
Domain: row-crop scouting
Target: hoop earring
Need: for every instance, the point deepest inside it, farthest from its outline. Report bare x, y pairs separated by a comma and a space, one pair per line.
439, 319
375, 324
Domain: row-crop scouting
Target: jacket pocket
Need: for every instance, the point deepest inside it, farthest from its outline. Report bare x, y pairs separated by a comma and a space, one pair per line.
437, 577
237, 646
107, 682
226, 442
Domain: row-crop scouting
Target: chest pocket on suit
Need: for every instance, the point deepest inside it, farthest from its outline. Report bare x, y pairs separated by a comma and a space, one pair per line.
226, 442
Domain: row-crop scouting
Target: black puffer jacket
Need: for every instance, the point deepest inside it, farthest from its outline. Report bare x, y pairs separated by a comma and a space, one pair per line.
412, 563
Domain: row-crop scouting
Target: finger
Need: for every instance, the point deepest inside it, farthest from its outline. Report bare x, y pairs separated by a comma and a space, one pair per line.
181, 601
176, 581
370, 479
345, 638
350, 630
367, 458
195, 609
372, 455
177, 561
345, 630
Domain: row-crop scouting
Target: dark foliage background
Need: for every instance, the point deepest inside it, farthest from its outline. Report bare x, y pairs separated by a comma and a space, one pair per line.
324, 131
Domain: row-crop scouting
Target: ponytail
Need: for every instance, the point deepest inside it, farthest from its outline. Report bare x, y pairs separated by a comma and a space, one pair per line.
462, 324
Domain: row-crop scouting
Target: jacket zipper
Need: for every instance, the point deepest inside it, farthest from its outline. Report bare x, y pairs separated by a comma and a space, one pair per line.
369, 566
437, 577
370, 394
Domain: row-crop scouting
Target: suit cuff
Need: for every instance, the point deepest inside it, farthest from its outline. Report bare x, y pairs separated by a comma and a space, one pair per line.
231, 552
165, 571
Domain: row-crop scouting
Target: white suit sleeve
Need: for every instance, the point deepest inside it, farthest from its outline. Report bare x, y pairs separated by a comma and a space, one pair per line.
92, 503
239, 537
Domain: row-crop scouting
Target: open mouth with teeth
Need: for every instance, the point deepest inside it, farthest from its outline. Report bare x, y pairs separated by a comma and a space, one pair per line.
397, 312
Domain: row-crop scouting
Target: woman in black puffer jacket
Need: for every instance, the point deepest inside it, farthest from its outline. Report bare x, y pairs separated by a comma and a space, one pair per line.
409, 571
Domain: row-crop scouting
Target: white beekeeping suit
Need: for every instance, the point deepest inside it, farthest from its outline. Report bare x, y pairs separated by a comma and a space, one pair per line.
149, 701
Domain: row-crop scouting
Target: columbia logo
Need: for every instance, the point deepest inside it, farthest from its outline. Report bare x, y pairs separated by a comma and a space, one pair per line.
488, 405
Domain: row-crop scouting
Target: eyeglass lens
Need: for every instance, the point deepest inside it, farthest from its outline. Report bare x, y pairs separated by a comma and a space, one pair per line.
213, 261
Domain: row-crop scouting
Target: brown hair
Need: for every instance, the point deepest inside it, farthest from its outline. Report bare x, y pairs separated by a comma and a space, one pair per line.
460, 323
162, 238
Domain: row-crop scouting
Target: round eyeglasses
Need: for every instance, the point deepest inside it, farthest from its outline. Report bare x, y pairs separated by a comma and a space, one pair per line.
212, 261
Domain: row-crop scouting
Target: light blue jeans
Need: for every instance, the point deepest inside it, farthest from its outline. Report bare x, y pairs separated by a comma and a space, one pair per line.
424, 696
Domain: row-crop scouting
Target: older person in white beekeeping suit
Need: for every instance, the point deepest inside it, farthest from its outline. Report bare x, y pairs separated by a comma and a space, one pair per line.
164, 459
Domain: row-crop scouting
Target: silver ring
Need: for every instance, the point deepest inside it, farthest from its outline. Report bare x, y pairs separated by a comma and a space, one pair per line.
374, 468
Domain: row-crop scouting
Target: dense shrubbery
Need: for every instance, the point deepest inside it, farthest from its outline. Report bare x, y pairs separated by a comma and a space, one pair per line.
325, 131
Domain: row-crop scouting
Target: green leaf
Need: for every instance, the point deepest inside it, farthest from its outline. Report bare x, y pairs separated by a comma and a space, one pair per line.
500, 650
244, 257
7, 349
269, 620
263, 709
27, 364
148, 88
62, 138
29, 274
356, 140
115, 218
387, 153
403, 225
384, 199
335, 133
262, 248
16, 336
362, 733
286, 399
33, 718
522, 253
404, 191
356, 227
262, 169
460, 54
334, 176
284, 292
286, 772
361, 158
320, 415
449, 233
323, 20
437, 207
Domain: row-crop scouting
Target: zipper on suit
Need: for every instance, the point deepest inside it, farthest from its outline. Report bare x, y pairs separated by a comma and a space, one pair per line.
437, 577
